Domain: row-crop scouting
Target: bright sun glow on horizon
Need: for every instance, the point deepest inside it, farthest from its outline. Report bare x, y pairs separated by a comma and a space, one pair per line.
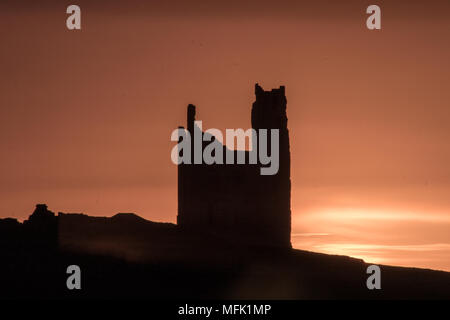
376, 236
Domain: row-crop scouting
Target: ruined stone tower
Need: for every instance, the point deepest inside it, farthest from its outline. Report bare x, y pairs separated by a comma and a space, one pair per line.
236, 201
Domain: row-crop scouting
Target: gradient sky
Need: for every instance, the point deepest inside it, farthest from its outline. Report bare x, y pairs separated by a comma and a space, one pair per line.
86, 116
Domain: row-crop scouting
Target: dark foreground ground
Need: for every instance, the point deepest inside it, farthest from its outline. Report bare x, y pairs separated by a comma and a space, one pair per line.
128, 257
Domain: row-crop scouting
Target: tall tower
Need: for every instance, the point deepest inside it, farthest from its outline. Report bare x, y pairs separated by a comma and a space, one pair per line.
186, 179
269, 112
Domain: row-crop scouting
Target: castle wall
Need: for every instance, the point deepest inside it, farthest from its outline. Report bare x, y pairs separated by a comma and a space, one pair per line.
236, 201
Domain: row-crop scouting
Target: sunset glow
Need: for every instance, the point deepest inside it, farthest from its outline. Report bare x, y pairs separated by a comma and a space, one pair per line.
86, 117
381, 237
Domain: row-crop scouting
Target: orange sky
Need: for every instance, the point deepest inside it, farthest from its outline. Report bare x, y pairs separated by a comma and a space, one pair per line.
86, 117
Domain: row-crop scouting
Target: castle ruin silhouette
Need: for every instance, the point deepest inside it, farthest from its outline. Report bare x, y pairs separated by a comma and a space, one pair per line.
234, 200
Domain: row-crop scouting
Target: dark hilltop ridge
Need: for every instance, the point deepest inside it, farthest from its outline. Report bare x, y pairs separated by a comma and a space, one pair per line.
127, 256
231, 241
